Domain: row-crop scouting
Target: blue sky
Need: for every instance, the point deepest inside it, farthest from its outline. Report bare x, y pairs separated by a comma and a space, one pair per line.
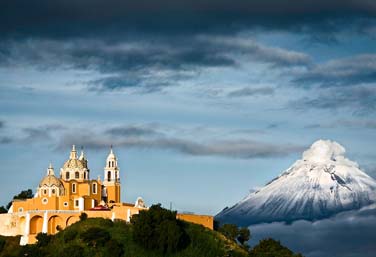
200, 107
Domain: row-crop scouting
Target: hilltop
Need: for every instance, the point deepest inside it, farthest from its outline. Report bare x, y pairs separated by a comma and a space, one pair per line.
119, 242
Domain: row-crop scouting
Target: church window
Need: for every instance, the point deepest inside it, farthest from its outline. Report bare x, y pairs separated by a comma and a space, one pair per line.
65, 204
77, 174
109, 175
53, 191
45, 191
73, 188
113, 164
76, 203
84, 175
116, 175
94, 188
109, 164
44, 200
20, 209
67, 175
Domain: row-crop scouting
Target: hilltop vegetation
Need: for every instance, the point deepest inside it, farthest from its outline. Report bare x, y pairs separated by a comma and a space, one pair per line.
155, 233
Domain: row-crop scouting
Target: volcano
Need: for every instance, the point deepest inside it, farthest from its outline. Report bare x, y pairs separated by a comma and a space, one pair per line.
321, 184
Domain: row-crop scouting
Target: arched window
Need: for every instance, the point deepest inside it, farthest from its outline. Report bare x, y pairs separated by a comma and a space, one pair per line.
74, 188
53, 191
67, 175
84, 175
116, 175
109, 175
77, 174
109, 164
94, 188
113, 164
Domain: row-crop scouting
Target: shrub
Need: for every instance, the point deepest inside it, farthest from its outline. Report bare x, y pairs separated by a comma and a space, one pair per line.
83, 216
43, 239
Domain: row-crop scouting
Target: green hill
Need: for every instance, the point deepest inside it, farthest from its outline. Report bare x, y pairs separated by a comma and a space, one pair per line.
152, 233
118, 240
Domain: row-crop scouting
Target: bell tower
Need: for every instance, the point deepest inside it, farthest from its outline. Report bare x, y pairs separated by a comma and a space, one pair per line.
111, 181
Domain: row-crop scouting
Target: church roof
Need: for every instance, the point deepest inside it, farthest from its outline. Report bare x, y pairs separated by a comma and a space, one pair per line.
74, 163
50, 180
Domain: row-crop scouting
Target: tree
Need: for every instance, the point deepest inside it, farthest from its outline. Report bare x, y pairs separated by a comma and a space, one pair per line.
271, 248
3, 209
158, 229
25, 194
230, 231
83, 216
244, 235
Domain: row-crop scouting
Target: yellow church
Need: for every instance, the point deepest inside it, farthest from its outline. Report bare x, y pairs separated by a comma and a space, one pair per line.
59, 201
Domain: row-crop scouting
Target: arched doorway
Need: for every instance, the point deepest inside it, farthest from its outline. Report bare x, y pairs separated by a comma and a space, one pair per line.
71, 220
53, 223
36, 224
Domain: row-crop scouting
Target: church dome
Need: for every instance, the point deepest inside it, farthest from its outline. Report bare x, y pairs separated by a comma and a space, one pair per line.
50, 180
73, 164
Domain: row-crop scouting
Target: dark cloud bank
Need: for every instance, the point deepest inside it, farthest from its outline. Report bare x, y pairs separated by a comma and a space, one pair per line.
150, 45
348, 234
103, 18
143, 137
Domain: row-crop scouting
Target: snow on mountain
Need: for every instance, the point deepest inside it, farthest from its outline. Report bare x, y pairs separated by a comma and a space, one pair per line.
318, 186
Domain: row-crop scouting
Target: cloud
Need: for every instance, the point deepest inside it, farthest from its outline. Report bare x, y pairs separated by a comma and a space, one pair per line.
118, 18
370, 169
136, 62
147, 138
360, 100
349, 71
348, 234
40, 134
5, 140
132, 131
248, 91
368, 124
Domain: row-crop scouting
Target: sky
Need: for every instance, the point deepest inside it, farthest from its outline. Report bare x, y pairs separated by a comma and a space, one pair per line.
202, 101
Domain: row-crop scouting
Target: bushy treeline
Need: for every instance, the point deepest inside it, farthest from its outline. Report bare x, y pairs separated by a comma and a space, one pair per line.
265, 248
152, 233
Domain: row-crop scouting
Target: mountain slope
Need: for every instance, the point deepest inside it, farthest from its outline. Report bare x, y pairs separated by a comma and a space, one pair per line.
319, 185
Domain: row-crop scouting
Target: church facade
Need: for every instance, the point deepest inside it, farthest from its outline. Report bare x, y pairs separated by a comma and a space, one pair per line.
60, 200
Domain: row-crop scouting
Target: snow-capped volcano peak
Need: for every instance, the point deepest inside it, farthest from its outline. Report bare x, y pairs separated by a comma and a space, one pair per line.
322, 183
326, 151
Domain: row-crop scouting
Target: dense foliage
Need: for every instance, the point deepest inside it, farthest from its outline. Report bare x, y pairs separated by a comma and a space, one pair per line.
158, 229
232, 232
79, 240
271, 248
